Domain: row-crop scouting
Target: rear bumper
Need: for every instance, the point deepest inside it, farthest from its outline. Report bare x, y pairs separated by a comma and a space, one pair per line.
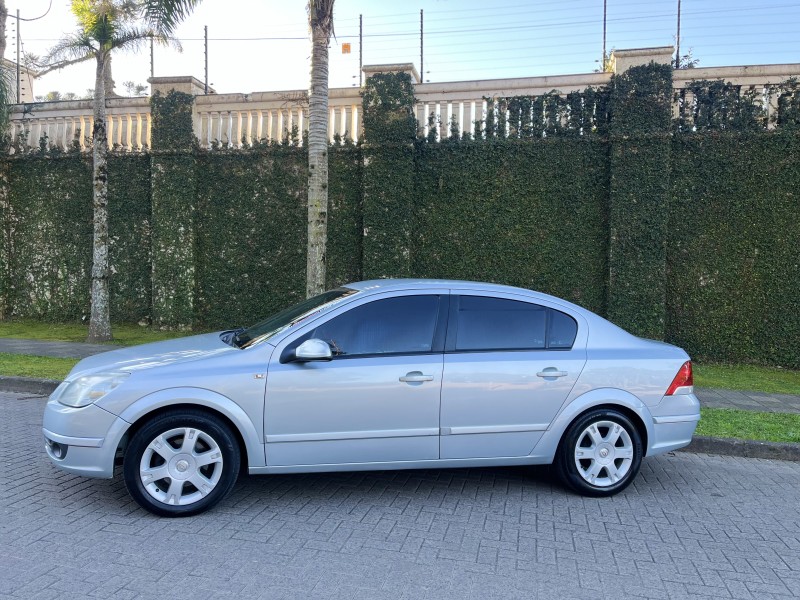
673, 431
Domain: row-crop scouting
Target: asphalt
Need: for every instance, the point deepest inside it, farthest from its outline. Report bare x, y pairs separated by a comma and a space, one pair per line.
709, 398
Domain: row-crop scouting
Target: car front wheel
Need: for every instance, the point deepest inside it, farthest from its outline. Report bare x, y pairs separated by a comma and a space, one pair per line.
181, 463
600, 454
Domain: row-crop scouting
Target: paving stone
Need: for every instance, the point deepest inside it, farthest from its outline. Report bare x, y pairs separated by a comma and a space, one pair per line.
691, 526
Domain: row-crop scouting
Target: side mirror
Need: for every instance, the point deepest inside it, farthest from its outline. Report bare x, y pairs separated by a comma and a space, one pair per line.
313, 349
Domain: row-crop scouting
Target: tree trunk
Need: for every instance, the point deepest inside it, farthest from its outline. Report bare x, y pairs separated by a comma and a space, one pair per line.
109, 80
317, 163
100, 320
3, 17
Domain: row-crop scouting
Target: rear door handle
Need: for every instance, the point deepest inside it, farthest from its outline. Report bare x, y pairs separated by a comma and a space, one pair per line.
415, 377
551, 372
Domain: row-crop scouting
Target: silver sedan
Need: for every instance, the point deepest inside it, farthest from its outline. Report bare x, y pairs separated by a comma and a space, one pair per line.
386, 374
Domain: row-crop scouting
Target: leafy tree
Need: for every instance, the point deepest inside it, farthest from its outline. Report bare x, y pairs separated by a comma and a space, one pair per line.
687, 61
320, 22
134, 89
104, 26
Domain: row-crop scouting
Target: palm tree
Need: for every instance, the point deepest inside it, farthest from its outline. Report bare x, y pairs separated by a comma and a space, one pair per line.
3, 17
105, 26
320, 22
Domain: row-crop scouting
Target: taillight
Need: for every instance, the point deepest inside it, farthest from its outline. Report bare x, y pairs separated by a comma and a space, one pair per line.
682, 379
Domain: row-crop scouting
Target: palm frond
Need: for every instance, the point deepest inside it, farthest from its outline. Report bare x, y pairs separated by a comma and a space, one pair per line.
132, 38
165, 15
73, 46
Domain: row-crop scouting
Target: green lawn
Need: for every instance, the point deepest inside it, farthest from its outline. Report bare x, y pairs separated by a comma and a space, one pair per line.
46, 367
124, 335
747, 378
749, 425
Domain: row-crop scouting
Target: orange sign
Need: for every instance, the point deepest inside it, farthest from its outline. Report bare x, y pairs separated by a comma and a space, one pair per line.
346, 48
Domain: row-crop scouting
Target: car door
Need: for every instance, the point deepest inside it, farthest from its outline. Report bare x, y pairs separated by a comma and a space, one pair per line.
509, 365
376, 400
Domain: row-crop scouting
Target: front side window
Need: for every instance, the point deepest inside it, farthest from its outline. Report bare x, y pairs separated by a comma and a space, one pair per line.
401, 325
483, 323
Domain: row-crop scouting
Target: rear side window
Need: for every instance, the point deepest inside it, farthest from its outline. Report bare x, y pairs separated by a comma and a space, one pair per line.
483, 323
562, 331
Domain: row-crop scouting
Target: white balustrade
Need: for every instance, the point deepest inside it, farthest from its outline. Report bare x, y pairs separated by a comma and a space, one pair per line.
241, 120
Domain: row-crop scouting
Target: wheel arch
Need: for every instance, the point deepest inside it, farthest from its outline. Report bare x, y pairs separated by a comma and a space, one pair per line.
608, 398
148, 407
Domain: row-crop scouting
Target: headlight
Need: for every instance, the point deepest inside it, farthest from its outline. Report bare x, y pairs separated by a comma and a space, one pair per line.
89, 389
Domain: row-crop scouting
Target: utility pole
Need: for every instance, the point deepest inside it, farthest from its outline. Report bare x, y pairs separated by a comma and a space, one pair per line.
360, 49
19, 60
152, 62
421, 64
678, 40
205, 37
605, 13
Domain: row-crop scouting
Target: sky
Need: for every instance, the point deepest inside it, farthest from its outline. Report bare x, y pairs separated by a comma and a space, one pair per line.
263, 45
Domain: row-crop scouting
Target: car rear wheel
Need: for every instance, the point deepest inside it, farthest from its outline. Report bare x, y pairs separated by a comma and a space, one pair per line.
181, 463
600, 454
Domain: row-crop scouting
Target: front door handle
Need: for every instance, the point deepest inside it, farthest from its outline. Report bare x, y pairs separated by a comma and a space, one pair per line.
551, 372
415, 377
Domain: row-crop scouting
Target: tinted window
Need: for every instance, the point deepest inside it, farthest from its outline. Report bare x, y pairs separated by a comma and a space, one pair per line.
390, 326
498, 324
563, 330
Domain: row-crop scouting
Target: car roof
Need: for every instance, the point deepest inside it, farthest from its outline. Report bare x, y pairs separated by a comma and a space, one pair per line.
384, 285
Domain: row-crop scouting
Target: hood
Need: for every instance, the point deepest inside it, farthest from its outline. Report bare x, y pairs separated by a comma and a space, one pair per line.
157, 354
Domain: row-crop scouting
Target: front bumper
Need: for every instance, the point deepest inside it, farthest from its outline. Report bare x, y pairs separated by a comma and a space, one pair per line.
84, 440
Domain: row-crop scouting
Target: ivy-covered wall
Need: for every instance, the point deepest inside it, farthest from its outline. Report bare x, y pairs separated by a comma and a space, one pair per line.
519, 213
733, 247
48, 237
672, 229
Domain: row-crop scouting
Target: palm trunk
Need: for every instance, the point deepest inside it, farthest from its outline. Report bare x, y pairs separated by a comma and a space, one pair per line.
3, 17
100, 320
317, 163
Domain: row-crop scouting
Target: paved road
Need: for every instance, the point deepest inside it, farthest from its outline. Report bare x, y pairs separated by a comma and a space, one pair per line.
691, 526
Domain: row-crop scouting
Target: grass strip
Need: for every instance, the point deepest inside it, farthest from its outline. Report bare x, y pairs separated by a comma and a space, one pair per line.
749, 425
752, 378
124, 334
45, 367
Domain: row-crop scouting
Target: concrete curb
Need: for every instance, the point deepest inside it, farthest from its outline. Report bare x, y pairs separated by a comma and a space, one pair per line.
743, 448
700, 444
28, 385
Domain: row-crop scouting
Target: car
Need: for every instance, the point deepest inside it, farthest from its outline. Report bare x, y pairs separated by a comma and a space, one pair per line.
375, 375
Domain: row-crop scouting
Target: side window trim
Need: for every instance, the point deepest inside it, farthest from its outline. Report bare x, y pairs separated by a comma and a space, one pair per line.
452, 329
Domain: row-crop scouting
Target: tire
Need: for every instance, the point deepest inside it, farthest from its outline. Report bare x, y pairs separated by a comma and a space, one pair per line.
181, 463
600, 454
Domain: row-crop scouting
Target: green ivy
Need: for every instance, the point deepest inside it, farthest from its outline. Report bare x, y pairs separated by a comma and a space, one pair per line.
515, 212
597, 197
639, 161
733, 263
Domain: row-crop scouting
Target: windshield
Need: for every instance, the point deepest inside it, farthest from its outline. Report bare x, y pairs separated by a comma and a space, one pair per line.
290, 316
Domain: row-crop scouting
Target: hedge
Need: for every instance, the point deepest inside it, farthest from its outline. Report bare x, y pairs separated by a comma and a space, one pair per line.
733, 260
525, 214
677, 231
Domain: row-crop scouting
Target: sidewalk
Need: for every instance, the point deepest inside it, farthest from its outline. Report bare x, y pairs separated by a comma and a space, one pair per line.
709, 398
